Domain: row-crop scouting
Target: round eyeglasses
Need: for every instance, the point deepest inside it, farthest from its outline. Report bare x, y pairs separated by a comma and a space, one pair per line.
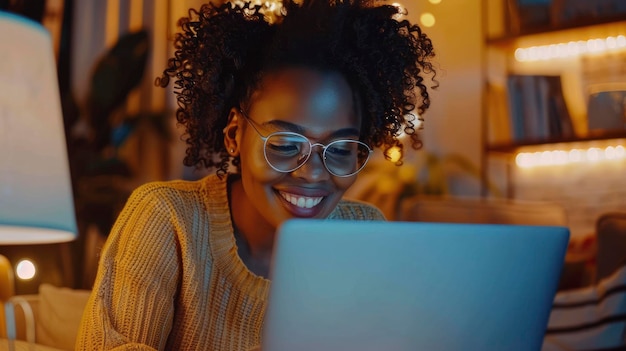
287, 151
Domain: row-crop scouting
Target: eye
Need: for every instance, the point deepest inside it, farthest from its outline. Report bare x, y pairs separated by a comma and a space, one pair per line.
285, 145
285, 148
341, 149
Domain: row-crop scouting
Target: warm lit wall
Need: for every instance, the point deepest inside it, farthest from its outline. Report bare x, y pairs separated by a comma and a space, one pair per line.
586, 189
453, 123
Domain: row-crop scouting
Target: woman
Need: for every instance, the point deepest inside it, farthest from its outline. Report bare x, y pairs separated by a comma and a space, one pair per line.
295, 106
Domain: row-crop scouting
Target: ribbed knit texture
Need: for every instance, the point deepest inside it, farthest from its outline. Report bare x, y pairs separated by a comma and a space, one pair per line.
170, 278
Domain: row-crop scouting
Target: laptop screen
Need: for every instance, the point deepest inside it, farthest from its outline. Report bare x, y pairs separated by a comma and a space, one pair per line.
362, 285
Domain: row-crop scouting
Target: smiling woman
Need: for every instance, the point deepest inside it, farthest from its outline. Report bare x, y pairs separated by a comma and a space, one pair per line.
288, 111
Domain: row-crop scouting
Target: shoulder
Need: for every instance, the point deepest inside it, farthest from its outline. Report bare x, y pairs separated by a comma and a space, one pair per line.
166, 188
163, 199
174, 190
354, 209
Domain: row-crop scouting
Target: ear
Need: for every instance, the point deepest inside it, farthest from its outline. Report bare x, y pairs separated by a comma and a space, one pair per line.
232, 136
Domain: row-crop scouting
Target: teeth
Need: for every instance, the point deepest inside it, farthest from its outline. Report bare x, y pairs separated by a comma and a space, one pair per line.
301, 201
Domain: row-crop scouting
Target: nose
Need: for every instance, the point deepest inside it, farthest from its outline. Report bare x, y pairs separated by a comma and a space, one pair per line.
313, 170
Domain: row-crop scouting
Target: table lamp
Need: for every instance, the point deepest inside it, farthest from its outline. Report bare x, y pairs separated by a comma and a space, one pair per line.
36, 200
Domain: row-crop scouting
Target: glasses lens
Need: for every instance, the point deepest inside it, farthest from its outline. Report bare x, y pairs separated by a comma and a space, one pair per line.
286, 151
346, 157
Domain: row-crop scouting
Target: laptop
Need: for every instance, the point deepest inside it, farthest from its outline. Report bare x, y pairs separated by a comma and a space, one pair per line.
399, 286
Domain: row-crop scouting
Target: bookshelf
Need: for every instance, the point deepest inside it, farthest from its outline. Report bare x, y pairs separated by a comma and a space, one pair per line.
543, 82
553, 95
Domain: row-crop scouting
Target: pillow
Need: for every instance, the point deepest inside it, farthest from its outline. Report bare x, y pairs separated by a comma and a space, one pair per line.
60, 312
590, 318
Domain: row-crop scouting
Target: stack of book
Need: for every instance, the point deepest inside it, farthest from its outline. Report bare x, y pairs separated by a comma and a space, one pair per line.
537, 108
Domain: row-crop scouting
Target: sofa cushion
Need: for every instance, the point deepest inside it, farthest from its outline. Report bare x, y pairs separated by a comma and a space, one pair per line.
591, 318
21, 345
60, 312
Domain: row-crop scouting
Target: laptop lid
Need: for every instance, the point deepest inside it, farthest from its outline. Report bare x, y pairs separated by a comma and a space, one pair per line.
399, 286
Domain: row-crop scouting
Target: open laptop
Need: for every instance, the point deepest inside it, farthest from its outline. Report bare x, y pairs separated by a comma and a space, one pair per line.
399, 286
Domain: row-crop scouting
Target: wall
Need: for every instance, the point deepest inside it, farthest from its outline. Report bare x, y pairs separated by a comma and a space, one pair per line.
584, 190
453, 123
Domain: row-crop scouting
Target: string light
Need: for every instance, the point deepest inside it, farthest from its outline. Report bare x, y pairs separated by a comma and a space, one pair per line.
563, 157
427, 19
270, 8
393, 154
570, 49
401, 11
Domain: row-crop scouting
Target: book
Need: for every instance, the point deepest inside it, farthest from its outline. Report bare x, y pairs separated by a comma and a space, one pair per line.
538, 110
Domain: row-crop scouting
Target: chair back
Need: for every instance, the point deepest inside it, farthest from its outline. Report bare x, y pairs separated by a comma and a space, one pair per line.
611, 241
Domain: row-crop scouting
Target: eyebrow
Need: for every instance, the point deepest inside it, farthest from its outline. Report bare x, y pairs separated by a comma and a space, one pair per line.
284, 125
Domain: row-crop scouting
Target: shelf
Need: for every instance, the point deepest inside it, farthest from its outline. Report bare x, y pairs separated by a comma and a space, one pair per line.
579, 24
597, 136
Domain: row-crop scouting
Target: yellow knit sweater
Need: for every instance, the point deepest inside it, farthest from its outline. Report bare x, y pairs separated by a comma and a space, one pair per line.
170, 277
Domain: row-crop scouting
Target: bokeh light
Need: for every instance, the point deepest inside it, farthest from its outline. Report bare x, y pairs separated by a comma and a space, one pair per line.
25, 269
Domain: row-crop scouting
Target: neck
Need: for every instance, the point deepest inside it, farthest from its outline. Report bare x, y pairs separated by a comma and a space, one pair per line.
250, 224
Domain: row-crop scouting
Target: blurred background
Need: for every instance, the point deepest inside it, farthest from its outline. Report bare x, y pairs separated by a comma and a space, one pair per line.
121, 131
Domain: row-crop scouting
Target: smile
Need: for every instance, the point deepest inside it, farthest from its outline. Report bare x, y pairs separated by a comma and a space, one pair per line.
301, 201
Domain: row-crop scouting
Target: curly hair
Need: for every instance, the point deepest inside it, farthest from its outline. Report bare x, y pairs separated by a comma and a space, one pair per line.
223, 51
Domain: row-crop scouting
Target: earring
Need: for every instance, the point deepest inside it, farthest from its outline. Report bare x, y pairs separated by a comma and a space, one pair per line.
232, 150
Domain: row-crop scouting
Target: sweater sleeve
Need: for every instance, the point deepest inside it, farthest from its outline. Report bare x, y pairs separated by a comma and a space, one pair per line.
356, 210
132, 303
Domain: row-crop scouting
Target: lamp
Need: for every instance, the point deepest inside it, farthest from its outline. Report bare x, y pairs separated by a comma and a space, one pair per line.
36, 201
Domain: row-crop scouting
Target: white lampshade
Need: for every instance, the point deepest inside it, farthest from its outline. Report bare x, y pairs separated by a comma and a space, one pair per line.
36, 202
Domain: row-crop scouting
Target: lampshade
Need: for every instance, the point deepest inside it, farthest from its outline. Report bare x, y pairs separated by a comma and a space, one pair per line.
36, 202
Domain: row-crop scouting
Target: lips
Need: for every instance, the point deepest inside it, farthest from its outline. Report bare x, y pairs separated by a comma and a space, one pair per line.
300, 201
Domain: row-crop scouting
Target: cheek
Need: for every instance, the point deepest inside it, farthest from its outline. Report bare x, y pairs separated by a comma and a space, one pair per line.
343, 184
254, 167
252, 160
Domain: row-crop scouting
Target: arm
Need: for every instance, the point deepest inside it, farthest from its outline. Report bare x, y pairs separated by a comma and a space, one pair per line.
132, 303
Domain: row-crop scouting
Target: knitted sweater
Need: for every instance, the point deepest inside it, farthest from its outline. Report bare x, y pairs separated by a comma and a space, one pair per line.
170, 278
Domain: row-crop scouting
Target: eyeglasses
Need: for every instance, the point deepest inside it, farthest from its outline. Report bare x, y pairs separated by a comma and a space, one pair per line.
287, 151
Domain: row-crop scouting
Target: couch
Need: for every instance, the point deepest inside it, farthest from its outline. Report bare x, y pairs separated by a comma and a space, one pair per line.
589, 318
57, 313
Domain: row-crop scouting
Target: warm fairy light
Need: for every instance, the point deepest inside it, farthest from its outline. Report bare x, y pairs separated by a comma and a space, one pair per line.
25, 269
570, 49
427, 19
401, 9
270, 8
394, 154
434, 2
562, 157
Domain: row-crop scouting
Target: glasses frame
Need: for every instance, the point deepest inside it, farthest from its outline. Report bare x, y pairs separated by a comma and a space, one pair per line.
323, 153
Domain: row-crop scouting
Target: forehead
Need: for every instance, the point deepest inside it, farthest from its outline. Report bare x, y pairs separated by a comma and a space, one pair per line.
315, 100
